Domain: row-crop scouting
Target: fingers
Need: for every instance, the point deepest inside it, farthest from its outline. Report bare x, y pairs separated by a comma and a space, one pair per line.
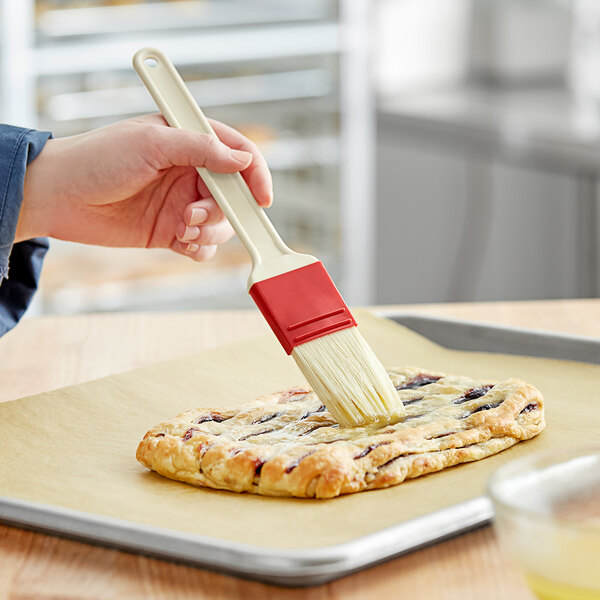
202, 212
201, 243
194, 251
207, 235
203, 228
202, 253
257, 174
231, 152
169, 147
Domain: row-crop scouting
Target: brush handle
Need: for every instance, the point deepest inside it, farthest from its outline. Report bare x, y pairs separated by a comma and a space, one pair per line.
270, 256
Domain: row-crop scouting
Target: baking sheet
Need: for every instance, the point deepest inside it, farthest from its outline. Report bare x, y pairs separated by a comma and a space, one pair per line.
74, 450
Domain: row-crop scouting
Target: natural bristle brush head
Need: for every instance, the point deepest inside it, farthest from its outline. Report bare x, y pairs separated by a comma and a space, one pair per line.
311, 320
349, 379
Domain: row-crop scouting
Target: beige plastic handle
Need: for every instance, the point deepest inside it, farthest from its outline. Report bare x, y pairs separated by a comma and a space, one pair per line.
230, 191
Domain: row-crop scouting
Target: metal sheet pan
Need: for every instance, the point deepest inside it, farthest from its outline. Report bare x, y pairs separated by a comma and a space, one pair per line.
308, 567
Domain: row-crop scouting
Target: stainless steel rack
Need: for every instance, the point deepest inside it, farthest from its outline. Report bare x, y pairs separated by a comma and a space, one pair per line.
260, 65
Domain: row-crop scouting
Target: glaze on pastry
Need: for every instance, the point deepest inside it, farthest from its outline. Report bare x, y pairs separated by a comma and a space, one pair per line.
287, 444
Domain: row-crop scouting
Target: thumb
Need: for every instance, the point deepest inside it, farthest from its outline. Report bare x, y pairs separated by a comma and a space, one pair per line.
179, 147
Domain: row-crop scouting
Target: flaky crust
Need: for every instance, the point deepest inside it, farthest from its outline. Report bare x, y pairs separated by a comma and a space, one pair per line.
287, 444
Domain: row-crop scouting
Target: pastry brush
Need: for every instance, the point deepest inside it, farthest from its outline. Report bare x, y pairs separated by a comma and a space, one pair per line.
293, 291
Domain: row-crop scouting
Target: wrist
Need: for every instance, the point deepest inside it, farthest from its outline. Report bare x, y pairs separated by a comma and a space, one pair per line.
39, 196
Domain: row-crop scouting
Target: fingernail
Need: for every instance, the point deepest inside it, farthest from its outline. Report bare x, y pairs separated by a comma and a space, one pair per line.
192, 248
190, 233
199, 215
240, 155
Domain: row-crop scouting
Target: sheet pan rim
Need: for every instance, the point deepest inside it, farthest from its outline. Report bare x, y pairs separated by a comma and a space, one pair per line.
294, 567
285, 566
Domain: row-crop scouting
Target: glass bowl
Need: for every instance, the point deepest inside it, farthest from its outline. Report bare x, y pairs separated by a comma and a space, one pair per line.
547, 509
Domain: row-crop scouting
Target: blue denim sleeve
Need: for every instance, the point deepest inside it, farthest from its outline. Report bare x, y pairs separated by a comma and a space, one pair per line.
21, 263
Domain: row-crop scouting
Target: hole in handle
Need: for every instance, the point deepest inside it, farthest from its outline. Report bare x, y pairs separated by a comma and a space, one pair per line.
151, 62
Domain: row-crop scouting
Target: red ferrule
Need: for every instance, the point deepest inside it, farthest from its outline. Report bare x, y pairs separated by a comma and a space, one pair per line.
301, 305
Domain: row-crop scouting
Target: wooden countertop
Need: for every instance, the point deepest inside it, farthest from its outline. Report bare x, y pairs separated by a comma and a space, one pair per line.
50, 352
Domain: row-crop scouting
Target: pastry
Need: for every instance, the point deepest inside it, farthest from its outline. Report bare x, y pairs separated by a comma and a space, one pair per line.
287, 444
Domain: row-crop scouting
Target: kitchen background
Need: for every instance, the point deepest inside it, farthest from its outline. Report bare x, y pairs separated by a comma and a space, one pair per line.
425, 150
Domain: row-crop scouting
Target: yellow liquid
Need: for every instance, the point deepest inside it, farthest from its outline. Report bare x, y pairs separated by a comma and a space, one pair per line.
546, 589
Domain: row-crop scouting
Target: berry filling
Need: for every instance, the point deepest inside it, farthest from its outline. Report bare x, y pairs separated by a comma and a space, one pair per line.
474, 393
370, 449
418, 381
189, 433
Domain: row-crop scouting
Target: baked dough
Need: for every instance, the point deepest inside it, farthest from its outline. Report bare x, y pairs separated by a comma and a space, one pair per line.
287, 444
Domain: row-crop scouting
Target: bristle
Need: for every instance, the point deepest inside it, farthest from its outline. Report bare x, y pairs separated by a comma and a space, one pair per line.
349, 379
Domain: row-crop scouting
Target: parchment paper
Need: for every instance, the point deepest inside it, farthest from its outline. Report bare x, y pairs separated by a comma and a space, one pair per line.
75, 447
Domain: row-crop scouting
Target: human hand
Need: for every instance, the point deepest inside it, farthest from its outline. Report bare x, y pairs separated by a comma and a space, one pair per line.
134, 184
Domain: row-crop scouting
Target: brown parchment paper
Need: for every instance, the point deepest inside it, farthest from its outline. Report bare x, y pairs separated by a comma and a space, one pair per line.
75, 447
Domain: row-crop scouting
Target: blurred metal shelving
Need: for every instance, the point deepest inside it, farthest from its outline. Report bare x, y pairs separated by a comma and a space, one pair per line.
234, 45
292, 76
270, 87
186, 14
513, 208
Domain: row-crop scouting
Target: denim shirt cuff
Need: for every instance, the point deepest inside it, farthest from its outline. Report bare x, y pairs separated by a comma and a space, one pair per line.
18, 147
